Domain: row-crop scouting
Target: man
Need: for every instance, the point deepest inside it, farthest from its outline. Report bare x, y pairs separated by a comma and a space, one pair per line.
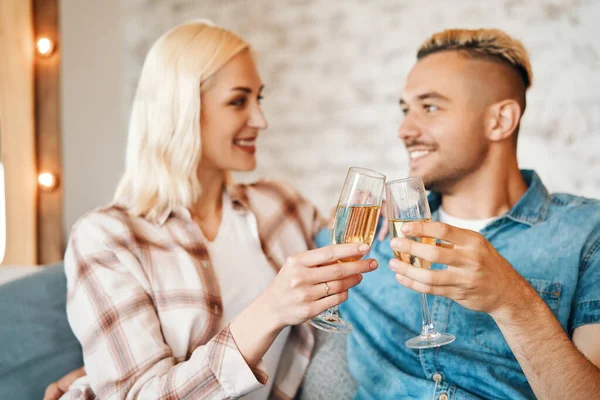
522, 289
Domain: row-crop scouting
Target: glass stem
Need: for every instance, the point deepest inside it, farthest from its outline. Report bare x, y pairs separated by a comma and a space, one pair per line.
428, 328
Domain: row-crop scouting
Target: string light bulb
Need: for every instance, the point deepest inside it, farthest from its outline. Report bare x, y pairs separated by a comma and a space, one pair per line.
47, 180
45, 46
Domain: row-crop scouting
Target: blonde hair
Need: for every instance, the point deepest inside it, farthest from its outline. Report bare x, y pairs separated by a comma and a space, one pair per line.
490, 44
164, 148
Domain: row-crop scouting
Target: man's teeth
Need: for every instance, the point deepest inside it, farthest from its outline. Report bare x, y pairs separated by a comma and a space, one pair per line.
418, 154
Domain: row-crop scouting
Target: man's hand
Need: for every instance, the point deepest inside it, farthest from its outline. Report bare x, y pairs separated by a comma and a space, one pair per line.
477, 277
58, 388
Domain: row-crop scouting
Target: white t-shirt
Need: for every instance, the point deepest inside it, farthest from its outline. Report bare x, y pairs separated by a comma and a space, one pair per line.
243, 273
471, 224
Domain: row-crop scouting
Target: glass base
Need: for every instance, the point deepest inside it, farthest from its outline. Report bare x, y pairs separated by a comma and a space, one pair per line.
330, 322
433, 339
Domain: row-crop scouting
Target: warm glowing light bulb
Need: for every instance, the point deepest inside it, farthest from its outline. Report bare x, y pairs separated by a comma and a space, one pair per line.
45, 46
47, 180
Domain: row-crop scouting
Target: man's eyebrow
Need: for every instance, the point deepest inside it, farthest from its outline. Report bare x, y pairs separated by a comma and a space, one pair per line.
426, 96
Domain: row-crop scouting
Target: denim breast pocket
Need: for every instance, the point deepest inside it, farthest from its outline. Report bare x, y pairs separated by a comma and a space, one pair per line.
488, 335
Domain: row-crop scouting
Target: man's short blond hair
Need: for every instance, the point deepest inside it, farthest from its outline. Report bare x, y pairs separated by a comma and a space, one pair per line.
490, 44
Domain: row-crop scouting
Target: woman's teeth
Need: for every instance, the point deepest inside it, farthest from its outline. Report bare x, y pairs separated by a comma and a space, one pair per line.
245, 142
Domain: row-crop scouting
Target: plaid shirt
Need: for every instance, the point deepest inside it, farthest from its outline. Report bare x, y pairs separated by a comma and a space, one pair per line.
144, 302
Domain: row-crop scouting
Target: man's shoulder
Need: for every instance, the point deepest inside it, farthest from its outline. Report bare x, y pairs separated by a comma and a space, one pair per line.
575, 210
577, 216
568, 201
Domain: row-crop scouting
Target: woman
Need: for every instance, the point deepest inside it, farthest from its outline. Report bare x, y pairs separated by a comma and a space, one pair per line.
187, 285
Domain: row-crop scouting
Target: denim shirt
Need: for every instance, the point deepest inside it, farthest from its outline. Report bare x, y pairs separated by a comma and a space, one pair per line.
553, 241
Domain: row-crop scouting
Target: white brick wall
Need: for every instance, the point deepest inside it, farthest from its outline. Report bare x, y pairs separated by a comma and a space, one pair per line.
334, 71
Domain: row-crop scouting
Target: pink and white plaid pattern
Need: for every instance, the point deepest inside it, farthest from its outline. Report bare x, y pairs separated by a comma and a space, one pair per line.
144, 302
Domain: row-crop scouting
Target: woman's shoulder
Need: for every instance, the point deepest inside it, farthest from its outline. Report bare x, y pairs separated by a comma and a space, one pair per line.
274, 188
111, 220
276, 199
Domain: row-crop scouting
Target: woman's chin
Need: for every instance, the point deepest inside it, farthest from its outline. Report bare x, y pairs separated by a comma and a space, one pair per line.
243, 166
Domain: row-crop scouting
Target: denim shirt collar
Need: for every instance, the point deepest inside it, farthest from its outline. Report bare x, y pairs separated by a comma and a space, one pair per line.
531, 209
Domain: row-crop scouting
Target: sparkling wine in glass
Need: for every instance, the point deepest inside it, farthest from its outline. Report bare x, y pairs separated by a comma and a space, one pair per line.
406, 201
355, 221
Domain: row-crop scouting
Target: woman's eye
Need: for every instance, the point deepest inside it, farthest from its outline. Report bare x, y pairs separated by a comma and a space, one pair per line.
238, 102
430, 108
259, 98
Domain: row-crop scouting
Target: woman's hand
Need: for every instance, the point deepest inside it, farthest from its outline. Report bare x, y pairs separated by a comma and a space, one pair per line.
307, 284
313, 281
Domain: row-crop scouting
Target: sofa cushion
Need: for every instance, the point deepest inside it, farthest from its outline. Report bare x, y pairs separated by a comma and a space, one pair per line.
38, 346
328, 376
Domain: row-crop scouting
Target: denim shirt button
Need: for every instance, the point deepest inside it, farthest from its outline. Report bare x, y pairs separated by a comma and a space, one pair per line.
443, 396
437, 378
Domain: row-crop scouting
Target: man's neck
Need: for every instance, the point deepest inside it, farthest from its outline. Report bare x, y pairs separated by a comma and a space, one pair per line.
487, 193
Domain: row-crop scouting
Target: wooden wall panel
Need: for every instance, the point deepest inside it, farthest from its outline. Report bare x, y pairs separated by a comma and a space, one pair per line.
48, 144
17, 135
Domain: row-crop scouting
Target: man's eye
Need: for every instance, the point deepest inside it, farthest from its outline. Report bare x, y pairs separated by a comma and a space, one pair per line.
404, 111
430, 108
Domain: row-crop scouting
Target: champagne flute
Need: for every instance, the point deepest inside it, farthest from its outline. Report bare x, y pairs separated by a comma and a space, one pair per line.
407, 202
355, 221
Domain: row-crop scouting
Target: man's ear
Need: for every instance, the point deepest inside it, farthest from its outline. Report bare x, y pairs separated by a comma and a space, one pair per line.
502, 120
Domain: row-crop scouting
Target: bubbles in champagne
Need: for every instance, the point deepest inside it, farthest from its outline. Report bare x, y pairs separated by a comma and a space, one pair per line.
354, 224
396, 231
